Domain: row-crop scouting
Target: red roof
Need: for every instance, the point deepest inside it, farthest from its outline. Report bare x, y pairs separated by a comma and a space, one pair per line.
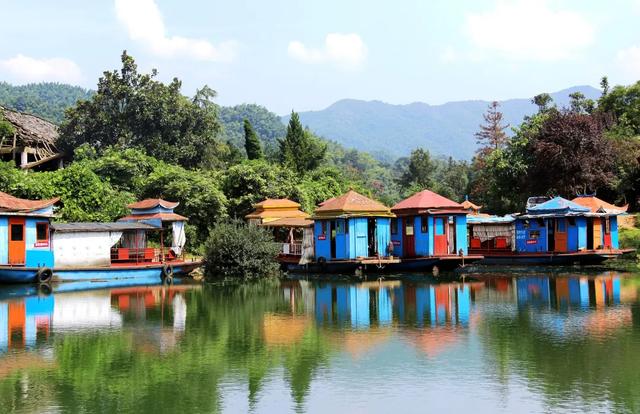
352, 202
424, 200
152, 203
20, 205
161, 216
595, 204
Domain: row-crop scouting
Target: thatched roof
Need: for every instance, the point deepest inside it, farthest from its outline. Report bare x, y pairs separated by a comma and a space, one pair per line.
31, 131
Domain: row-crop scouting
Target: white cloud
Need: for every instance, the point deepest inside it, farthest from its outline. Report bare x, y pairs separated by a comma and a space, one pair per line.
145, 24
346, 51
530, 30
24, 69
629, 61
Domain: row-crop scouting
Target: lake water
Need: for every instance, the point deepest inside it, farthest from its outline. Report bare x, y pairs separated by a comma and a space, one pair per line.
493, 343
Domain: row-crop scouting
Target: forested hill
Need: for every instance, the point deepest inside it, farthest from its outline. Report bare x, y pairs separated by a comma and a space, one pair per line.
394, 130
47, 100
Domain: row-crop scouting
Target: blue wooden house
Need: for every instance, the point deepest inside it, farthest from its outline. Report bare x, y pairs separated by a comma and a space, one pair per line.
24, 236
351, 227
429, 224
563, 226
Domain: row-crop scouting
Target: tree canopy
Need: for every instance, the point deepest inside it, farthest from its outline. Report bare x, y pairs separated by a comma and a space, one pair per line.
251, 142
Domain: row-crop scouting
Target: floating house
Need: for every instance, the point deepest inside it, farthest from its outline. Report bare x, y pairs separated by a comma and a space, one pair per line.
556, 231
24, 231
33, 249
429, 224
291, 227
352, 228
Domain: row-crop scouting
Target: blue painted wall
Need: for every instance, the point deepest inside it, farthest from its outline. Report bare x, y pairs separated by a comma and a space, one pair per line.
581, 223
524, 234
614, 232
572, 235
341, 239
422, 238
461, 234
397, 238
358, 245
323, 247
383, 234
431, 231
4, 240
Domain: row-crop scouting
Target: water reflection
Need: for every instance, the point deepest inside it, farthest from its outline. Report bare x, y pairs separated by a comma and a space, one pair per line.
531, 343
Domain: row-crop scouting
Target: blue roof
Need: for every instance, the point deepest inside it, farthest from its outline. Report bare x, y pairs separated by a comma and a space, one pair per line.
558, 205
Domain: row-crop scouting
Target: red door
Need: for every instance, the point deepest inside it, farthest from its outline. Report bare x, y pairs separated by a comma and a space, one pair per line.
561, 235
17, 244
440, 236
408, 237
606, 225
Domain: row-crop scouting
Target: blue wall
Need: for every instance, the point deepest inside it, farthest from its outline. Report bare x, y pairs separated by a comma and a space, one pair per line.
342, 247
323, 247
572, 235
4, 240
422, 239
383, 234
523, 236
614, 232
358, 245
397, 238
461, 234
581, 223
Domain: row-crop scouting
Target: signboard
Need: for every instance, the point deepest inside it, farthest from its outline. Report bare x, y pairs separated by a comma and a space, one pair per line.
395, 242
532, 241
41, 244
322, 237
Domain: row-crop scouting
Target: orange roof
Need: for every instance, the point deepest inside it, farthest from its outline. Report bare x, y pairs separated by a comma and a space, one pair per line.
276, 203
161, 216
468, 205
352, 203
13, 204
595, 204
426, 199
152, 203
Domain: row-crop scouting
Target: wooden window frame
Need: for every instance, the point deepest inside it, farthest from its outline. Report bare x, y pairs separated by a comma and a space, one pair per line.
424, 224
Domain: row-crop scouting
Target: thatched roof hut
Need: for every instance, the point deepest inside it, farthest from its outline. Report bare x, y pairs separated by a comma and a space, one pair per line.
34, 139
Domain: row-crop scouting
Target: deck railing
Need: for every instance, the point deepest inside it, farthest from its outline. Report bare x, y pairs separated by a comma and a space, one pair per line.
291, 249
123, 254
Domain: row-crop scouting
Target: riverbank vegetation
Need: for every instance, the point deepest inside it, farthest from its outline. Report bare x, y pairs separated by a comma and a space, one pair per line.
136, 137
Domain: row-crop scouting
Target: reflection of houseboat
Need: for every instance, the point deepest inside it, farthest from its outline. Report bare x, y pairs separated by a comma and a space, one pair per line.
34, 249
430, 230
556, 231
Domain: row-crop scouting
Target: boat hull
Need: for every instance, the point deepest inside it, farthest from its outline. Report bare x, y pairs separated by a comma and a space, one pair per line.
417, 264
549, 259
9, 274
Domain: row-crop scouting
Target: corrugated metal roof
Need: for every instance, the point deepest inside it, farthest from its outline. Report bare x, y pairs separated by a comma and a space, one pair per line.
490, 219
101, 227
557, 205
159, 216
426, 199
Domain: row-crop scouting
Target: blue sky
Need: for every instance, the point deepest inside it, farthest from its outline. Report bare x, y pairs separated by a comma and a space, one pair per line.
305, 55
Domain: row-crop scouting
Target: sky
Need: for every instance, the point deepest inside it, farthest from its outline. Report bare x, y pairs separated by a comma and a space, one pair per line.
305, 55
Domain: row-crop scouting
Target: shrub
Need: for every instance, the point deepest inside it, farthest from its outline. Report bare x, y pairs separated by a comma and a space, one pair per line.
237, 250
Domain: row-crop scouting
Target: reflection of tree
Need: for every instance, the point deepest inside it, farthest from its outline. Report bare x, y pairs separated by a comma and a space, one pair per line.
566, 368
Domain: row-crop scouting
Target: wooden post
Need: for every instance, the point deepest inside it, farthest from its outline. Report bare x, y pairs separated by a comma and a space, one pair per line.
24, 158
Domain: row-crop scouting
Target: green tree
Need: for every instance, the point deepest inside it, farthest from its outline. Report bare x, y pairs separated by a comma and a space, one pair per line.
6, 129
131, 109
543, 101
300, 150
237, 250
251, 142
491, 135
419, 173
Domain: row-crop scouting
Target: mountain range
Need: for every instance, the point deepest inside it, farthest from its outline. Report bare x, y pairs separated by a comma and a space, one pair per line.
389, 131
385, 130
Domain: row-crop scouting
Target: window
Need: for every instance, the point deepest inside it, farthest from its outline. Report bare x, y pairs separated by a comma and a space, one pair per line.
540, 222
324, 227
424, 224
394, 226
534, 234
346, 226
525, 224
607, 226
340, 226
561, 226
17, 232
408, 227
42, 232
572, 221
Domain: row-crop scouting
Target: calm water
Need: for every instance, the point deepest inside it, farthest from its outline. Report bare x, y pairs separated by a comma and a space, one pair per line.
501, 343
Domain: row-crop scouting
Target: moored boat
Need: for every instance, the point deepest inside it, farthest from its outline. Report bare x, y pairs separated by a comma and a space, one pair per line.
33, 249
